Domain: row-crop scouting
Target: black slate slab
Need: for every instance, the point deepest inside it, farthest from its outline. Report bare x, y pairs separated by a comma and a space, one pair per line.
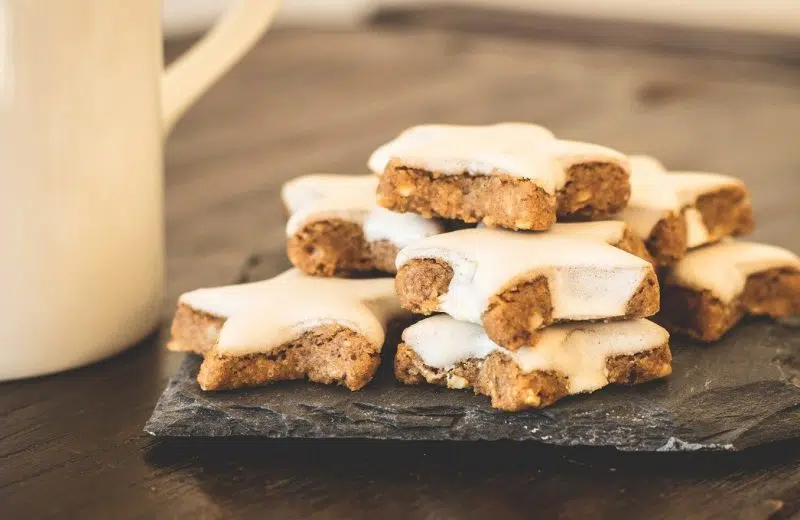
740, 392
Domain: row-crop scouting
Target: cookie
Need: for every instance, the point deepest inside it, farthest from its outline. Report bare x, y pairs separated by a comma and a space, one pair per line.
337, 228
714, 206
565, 359
510, 175
293, 326
713, 287
674, 211
517, 283
654, 211
612, 232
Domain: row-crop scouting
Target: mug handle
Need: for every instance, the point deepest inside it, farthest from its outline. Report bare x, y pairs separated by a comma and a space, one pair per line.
235, 33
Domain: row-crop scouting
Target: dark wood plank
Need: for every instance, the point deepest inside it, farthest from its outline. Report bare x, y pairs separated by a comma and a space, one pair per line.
303, 101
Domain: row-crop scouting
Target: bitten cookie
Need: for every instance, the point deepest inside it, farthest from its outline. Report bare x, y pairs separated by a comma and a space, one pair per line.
510, 175
517, 283
566, 359
293, 326
654, 211
673, 211
712, 288
714, 206
337, 228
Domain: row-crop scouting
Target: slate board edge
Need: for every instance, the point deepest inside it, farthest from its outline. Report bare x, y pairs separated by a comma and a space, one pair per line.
181, 429
181, 426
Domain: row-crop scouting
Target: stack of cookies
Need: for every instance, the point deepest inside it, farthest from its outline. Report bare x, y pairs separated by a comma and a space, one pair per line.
538, 256
709, 280
311, 321
534, 310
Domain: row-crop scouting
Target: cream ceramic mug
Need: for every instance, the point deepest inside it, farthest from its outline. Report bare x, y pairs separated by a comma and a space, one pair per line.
84, 108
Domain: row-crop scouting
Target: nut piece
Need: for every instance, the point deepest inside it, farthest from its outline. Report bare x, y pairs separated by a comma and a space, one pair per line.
405, 190
456, 382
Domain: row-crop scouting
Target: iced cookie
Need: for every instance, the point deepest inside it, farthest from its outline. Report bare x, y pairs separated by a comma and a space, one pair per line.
673, 211
654, 211
337, 228
510, 175
565, 359
517, 283
712, 288
613, 232
714, 206
293, 326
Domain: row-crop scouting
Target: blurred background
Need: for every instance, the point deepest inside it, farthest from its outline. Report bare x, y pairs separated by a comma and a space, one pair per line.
708, 85
769, 16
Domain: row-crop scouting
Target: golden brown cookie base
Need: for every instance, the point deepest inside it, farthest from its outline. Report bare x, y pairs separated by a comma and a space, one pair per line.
510, 389
194, 331
634, 245
336, 247
667, 241
592, 190
496, 200
726, 212
421, 282
329, 354
514, 315
704, 317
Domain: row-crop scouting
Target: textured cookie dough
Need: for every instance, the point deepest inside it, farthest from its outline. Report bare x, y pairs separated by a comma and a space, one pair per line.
712, 288
510, 175
567, 359
517, 283
337, 228
293, 326
714, 206
679, 210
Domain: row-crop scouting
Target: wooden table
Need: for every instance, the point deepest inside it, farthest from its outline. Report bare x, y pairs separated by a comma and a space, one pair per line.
304, 101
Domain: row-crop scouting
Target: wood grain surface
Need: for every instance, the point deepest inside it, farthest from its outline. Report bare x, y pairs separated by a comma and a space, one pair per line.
304, 101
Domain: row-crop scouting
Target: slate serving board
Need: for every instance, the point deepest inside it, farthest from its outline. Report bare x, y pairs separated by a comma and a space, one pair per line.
740, 392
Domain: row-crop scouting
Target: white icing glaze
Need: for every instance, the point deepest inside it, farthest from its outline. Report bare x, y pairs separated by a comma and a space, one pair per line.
318, 197
580, 350
577, 350
518, 149
653, 196
723, 268
647, 163
323, 196
263, 315
689, 186
696, 230
401, 229
656, 193
423, 135
443, 342
588, 279
608, 231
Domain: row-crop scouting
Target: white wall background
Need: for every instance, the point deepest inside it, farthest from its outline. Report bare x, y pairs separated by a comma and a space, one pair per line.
774, 16
188, 16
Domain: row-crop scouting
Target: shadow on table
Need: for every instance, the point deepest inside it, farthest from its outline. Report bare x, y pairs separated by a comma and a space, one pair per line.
456, 480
